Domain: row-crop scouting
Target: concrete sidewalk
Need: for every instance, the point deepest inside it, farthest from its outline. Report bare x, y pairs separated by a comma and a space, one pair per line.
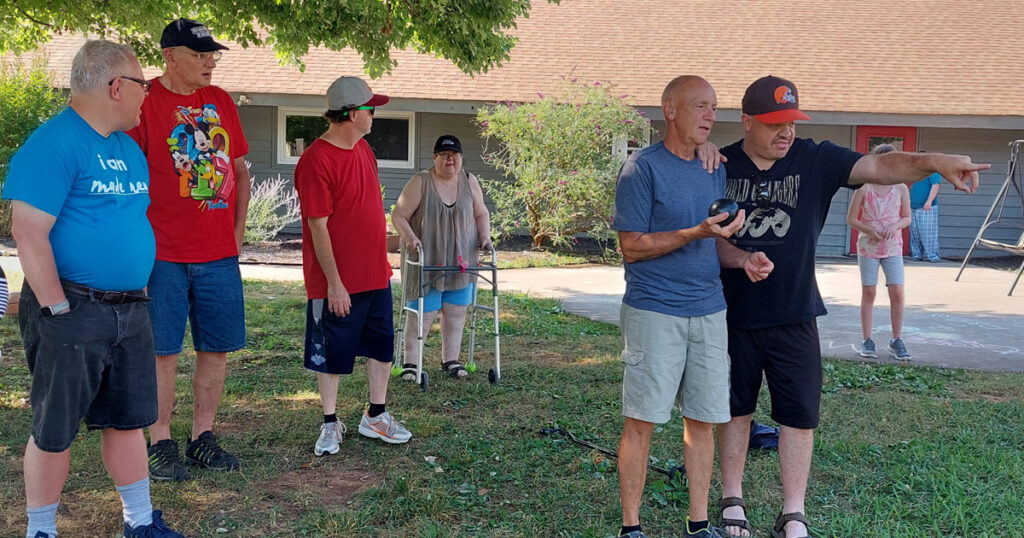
966, 324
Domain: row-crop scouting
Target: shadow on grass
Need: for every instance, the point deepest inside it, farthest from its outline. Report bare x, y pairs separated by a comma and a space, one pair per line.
904, 451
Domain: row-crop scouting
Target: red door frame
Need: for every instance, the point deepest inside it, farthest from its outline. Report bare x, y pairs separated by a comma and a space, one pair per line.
864, 134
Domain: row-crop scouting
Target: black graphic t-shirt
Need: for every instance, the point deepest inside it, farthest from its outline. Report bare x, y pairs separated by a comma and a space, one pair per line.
786, 207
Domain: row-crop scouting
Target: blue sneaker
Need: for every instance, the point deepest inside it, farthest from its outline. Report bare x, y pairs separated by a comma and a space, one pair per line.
156, 529
41, 534
898, 349
867, 349
633, 534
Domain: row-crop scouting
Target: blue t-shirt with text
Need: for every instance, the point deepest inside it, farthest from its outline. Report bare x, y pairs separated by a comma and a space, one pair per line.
920, 190
658, 192
98, 189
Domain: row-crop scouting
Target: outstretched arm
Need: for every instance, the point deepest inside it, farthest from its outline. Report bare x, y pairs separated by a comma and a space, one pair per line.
899, 167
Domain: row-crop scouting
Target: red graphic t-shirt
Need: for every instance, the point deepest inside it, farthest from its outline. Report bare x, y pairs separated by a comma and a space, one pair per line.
343, 185
191, 143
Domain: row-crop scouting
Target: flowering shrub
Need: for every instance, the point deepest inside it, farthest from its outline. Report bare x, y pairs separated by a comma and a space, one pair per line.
557, 154
272, 206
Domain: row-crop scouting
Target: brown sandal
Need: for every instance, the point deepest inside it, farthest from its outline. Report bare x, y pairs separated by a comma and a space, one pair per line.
727, 502
780, 524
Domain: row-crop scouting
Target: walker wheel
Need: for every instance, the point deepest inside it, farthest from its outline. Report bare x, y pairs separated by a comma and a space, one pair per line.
425, 382
493, 377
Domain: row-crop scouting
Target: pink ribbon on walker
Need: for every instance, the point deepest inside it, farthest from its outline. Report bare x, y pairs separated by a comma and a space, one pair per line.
463, 265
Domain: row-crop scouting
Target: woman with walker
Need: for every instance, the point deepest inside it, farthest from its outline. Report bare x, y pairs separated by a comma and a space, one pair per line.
441, 214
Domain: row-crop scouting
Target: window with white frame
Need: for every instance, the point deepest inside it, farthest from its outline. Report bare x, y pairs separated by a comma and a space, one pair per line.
392, 138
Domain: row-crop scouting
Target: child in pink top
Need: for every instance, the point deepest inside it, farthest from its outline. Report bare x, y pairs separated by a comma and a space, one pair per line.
879, 213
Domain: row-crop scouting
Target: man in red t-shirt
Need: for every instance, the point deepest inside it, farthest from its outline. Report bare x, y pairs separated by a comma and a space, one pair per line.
345, 264
199, 190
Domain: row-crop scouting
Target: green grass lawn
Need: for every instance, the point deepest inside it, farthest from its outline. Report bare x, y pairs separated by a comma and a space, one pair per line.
902, 450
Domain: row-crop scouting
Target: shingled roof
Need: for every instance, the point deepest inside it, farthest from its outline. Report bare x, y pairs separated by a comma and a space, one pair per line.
930, 57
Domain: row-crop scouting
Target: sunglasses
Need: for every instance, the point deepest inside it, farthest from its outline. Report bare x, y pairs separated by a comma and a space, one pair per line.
364, 107
763, 196
146, 85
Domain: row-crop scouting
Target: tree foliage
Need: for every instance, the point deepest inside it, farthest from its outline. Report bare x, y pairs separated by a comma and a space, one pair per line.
27, 99
470, 33
558, 155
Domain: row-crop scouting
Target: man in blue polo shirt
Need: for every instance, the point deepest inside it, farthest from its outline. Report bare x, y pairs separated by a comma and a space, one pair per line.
924, 219
673, 312
79, 189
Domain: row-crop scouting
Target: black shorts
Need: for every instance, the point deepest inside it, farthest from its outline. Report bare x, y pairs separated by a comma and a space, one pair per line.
789, 356
333, 342
95, 362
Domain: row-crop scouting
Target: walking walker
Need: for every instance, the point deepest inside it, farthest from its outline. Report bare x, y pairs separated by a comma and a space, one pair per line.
481, 271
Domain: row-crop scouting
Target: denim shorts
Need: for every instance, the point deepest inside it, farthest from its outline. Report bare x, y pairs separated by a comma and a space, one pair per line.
207, 295
334, 342
892, 266
94, 362
460, 297
674, 361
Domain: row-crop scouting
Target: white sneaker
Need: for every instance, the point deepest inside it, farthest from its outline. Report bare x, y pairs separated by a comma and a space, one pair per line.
384, 427
331, 434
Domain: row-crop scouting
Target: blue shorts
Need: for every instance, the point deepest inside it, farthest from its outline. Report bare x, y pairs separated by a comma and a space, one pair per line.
94, 362
207, 295
333, 342
432, 300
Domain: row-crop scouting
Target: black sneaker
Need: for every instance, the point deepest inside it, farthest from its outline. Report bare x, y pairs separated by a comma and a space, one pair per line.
206, 452
156, 529
165, 462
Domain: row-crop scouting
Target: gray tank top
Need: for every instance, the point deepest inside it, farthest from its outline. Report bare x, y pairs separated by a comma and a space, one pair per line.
448, 234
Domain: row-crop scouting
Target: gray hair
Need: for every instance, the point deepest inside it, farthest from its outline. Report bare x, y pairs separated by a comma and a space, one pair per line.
96, 63
883, 148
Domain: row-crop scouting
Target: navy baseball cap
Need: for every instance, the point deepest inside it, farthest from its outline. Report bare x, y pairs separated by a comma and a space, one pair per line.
447, 143
191, 34
773, 100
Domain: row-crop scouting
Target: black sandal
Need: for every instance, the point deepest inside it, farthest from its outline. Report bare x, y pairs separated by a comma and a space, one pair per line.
780, 524
408, 375
452, 368
728, 502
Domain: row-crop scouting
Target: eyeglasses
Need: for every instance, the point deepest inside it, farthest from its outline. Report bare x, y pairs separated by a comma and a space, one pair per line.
763, 197
448, 155
146, 85
203, 56
364, 107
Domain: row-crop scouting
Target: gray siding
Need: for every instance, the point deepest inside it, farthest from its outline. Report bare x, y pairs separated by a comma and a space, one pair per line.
960, 217
960, 214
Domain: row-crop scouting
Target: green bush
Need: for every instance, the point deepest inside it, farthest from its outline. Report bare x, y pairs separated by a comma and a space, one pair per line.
27, 99
272, 206
558, 154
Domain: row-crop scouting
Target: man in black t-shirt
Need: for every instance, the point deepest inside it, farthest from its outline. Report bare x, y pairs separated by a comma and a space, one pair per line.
786, 185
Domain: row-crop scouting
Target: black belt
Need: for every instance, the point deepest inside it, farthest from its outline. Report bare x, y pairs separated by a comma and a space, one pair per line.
105, 297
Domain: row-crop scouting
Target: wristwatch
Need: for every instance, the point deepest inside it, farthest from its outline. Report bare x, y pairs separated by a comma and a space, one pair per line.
53, 310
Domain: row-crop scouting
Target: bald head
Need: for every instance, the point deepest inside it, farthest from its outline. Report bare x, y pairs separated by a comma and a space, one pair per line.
680, 87
689, 105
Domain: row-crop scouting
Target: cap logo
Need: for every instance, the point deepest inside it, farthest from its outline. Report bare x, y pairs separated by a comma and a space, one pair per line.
201, 32
447, 142
784, 95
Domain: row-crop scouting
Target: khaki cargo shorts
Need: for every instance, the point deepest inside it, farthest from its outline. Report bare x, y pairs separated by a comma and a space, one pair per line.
671, 360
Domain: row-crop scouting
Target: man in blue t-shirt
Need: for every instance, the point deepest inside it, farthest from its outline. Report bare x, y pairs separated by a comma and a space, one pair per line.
79, 189
673, 312
924, 219
786, 184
